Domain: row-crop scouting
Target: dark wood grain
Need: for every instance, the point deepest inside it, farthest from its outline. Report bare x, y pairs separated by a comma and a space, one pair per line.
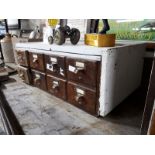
59, 69
22, 58
58, 91
39, 79
37, 63
86, 77
24, 74
86, 102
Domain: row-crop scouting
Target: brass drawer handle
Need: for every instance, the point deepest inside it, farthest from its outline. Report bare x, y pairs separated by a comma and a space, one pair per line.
35, 60
55, 86
37, 81
79, 66
54, 67
80, 99
80, 96
77, 69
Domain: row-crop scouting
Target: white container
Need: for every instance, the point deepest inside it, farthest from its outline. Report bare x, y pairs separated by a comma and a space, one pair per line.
47, 31
7, 49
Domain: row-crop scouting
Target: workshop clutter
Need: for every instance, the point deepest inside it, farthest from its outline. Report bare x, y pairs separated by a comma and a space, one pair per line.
56, 33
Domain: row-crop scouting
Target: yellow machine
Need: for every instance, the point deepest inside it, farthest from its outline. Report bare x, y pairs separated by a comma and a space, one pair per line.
53, 22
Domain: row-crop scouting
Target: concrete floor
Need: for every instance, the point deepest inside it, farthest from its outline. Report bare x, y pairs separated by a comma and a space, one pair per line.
41, 113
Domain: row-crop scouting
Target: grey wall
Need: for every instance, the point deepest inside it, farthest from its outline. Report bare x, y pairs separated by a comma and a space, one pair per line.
32, 23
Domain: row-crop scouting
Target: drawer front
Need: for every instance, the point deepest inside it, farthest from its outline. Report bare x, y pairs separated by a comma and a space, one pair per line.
37, 61
56, 86
22, 58
82, 71
82, 97
39, 80
55, 65
24, 74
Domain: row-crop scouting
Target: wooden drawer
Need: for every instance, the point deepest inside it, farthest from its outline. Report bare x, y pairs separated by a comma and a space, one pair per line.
56, 86
24, 74
39, 79
82, 97
22, 58
55, 65
37, 61
82, 71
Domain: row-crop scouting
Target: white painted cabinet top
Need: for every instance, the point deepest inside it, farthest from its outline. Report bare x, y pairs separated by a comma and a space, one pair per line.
80, 48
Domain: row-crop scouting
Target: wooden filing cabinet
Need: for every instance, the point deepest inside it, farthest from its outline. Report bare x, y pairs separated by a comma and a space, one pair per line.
71, 79
39, 79
37, 61
55, 65
103, 72
56, 86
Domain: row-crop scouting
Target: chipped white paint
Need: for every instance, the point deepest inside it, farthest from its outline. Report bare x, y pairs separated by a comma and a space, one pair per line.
66, 53
121, 67
120, 75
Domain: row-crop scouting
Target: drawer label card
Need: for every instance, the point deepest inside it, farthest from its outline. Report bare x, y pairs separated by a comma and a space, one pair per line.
80, 64
71, 68
53, 59
80, 91
35, 56
37, 75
